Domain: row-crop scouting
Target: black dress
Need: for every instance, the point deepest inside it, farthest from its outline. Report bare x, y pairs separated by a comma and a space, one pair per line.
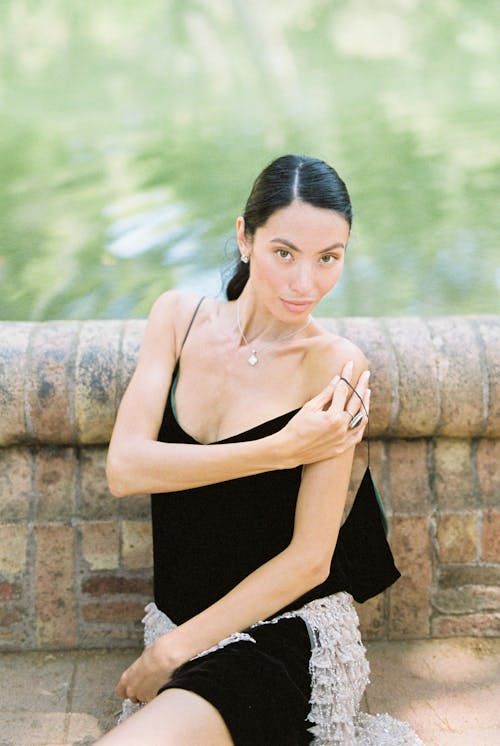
207, 539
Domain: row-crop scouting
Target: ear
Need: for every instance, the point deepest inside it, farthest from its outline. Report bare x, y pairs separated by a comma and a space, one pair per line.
243, 243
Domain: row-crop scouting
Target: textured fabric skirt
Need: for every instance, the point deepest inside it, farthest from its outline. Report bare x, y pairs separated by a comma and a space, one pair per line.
294, 680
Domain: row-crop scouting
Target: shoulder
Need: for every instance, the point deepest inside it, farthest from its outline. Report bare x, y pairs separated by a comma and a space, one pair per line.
172, 311
327, 355
169, 318
173, 303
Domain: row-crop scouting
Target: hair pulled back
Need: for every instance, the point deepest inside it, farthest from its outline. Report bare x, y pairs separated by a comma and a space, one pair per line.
289, 178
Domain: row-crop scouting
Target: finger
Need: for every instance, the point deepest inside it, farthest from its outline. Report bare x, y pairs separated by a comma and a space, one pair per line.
366, 400
357, 428
355, 421
355, 401
121, 689
341, 390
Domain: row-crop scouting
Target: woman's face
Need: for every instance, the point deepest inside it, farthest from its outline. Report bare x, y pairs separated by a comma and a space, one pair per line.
295, 258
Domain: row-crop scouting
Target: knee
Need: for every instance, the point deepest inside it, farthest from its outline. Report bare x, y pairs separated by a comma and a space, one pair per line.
175, 717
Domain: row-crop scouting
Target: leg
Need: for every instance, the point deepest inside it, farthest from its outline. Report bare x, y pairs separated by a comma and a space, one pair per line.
176, 717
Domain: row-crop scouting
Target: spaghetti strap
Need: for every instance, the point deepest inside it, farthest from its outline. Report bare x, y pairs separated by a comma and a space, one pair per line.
191, 322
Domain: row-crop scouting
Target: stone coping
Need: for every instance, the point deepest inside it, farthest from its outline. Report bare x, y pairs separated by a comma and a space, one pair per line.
61, 381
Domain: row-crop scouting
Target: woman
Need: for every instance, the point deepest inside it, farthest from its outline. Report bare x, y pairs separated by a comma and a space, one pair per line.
241, 420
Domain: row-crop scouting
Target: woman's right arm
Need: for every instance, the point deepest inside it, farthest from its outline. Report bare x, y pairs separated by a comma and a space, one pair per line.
138, 463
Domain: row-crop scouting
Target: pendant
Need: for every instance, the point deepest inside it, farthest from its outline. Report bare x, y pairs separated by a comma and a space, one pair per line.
253, 359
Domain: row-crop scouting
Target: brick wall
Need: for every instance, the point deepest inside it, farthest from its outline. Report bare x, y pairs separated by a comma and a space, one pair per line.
75, 563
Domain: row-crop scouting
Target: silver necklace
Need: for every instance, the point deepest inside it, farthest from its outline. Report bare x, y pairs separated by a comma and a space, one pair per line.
252, 358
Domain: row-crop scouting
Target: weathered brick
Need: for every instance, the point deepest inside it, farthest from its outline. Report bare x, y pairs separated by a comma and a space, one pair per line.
488, 470
104, 585
55, 602
457, 535
100, 544
409, 477
13, 637
466, 599
9, 591
451, 576
9, 615
458, 374
454, 475
116, 633
136, 544
418, 385
112, 634
13, 543
372, 618
55, 470
133, 331
113, 611
491, 536
53, 353
370, 335
14, 340
95, 380
96, 500
15, 484
410, 595
135, 507
489, 329
475, 625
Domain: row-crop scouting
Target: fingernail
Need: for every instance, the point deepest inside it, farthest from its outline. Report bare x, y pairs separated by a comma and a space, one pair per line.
368, 373
335, 379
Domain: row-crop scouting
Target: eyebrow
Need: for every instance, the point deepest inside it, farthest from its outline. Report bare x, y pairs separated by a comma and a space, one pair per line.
290, 245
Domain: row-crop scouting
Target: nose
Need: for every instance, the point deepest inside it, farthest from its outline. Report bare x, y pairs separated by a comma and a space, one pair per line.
302, 278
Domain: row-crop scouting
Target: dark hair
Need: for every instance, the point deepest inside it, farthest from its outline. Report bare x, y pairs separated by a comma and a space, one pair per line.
289, 178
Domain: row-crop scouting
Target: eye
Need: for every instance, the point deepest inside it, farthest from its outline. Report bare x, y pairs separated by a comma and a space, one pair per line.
328, 259
283, 254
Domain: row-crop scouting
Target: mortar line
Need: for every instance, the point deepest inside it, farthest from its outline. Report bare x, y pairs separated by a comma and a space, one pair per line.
395, 379
71, 384
31, 550
69, 699
433, 516
28, 422
485, 375
432, 337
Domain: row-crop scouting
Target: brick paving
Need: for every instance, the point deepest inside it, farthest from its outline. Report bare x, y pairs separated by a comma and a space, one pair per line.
448, 689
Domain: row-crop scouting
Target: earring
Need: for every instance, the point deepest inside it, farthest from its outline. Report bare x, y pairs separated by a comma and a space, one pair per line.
244, 259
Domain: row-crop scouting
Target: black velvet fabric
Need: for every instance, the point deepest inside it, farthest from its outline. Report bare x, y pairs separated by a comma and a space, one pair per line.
206, 540
261, 689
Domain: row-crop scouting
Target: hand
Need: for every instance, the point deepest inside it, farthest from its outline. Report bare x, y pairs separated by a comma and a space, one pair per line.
320, 429
140, 681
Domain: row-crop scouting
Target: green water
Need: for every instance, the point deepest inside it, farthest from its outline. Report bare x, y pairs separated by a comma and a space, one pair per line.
131, 131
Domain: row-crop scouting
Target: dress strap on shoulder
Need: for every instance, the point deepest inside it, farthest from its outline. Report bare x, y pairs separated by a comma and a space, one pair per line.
191, 322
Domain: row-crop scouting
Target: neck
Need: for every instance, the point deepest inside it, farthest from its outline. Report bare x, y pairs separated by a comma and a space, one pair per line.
257, 323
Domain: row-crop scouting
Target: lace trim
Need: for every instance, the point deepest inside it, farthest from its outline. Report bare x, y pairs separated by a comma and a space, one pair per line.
156, 624
338, 667
339, 674
383, 730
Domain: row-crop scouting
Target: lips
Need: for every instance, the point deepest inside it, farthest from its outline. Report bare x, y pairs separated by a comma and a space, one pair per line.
297, 306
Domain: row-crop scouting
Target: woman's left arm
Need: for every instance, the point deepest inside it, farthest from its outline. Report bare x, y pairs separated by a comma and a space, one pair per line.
301, 566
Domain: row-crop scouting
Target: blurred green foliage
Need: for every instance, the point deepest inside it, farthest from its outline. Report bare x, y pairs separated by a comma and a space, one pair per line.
131, 134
